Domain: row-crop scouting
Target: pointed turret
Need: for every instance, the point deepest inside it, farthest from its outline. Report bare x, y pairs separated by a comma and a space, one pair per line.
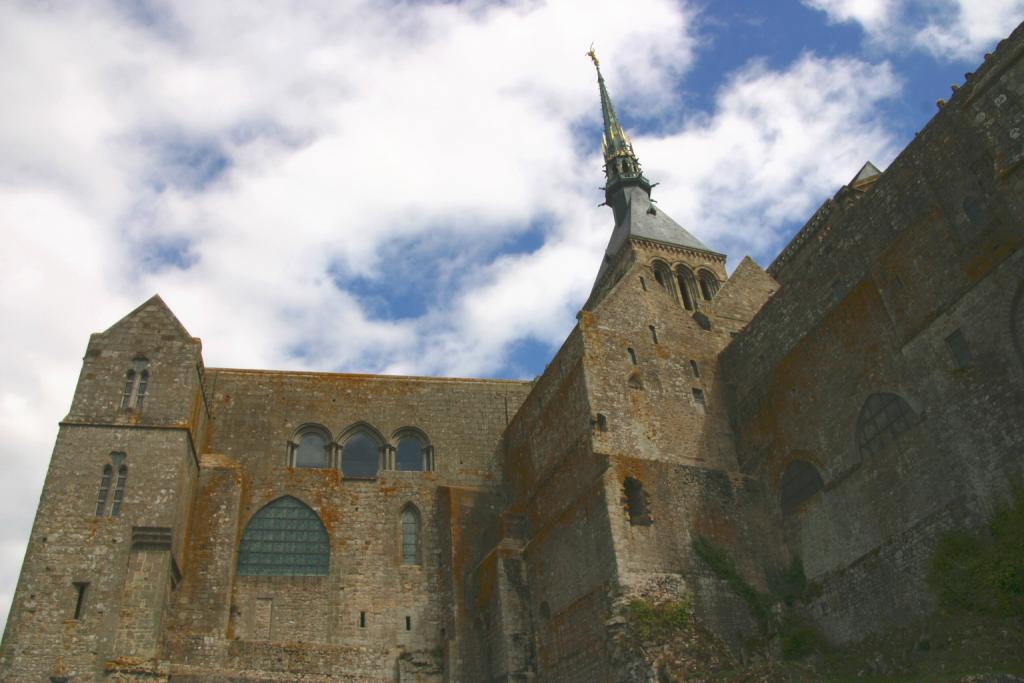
621, 167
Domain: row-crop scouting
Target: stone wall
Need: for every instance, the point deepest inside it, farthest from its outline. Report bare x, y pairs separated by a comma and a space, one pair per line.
929, 252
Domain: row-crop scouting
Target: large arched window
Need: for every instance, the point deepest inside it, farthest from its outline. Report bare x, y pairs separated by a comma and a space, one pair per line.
882, 420
311, 447
413, 453
799, 482
411, 550
708, 284
360, 457
284, 538
687, 287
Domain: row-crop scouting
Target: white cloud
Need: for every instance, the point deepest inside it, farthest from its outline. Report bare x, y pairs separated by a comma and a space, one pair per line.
777, 145
363, 144
948, 29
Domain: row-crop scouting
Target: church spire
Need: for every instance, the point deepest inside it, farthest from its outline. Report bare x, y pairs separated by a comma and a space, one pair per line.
621, 167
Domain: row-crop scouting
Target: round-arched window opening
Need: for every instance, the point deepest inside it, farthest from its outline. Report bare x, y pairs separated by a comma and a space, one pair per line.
708, 285
312, 451
410, 456
360, 457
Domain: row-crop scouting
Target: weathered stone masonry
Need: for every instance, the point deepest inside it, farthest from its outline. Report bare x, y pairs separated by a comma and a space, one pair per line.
847, 407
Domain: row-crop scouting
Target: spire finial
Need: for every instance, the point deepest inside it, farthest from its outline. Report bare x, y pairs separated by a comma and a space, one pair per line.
620, 163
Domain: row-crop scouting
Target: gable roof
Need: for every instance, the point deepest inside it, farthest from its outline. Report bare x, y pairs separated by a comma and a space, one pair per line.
158, 303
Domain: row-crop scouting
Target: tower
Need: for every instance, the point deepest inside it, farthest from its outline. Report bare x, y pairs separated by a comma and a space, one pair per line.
107, 542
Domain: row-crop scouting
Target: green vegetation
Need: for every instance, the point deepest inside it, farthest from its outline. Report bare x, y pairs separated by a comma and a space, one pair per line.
983, 572
658, 621
718, 560
797, 635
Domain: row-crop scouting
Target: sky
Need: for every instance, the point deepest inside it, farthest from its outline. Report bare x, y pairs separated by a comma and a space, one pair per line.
407, 187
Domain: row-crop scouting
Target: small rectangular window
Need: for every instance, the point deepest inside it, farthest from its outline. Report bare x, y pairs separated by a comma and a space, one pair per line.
959, 349
362, 620
694, 368
408, 623
698, 396
80, 588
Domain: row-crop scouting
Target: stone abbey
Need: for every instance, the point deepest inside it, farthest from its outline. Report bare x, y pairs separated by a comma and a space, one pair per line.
847, 406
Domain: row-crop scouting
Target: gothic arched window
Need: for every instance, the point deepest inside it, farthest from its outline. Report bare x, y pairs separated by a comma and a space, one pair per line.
311, 447
122, 478
883, 418
101, 498
708, 284
360, 457
140, 392
411, 535
129, 386
136, 384
799, 482
412, 453
687, 286
284, 538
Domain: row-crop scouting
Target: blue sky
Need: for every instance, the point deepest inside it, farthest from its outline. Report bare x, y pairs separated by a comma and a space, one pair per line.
408, 187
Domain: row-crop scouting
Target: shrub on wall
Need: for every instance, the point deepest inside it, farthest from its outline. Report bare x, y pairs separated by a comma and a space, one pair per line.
983, 571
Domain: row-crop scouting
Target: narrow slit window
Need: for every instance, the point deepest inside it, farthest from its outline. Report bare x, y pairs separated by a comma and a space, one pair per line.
140, 393
643, 283
80, 588
695, 368
410, 536
362, 620
104, 493
654, 333
129, 385
408, 623
632, 356
122, 477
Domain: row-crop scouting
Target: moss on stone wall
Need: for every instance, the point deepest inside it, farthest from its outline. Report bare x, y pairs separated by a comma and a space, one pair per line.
983, 571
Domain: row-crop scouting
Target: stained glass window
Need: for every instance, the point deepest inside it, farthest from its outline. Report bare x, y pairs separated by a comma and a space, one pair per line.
410, 535
883, 419
285, 538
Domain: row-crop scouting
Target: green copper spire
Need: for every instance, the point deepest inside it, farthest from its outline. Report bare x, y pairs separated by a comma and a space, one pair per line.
621, 167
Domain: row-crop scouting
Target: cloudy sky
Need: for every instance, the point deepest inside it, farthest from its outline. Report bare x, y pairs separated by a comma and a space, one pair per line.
407, 187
